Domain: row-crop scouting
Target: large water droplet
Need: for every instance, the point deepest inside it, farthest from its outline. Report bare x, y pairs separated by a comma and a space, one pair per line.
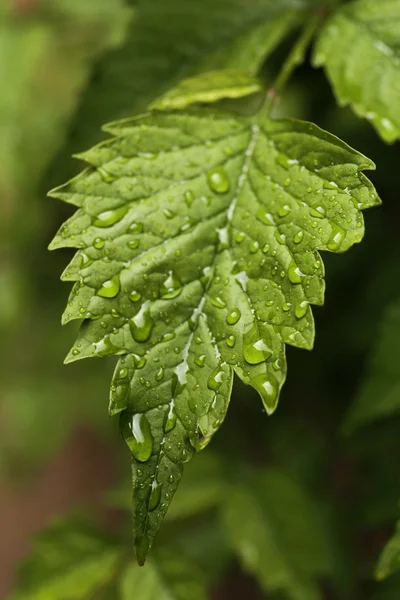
301, 309
105, 347
134, 296
136, 432
336, 238
216, 378
318, 212
141, 324
218, 180
265, 217
110, 288
255, 348
171, 418
268, 390
155, 496
295, 274
171, 287
298, 237
110, 217
233, 316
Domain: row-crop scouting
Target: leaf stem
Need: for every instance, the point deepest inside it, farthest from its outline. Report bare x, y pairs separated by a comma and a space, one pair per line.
294, 59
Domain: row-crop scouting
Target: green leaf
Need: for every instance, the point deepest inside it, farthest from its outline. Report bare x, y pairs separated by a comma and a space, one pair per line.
200, 36
170, 577
198, 237
359, 49
272, 526
379, 395
208, 87
69, 561
389, 561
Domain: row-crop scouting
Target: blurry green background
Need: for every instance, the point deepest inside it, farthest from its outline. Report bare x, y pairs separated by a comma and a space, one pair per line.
66, 67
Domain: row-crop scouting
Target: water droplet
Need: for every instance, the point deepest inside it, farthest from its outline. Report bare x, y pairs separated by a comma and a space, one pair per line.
122, 373
141, 324
134, 296
216, 378
336, 238
254, 247
231, 341
233, 316
286, 306
301, 309
189, 197
85, 260
218, 180
110, 217
169, 213
171, 418
266, 249
105, 175
105, 347
280, 237
285, 161
255, 349
160, 374
110, 288
132, 244
265, 217
168, 336
155, 496
318, 212
171, 287
75, 352
200, 360
268, 390
98, 243
298, 237
136, 432
136, 227
284, 210
295, 274
218, 302
330, 185
240, 237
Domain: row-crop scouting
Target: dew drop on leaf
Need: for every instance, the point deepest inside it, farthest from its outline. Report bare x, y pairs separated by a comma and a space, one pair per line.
171, 287
301, 309
298, 237
265, 217
141, 325
255, 349
136, 432
155, 496
294, 273
110, 217
105, 347
218, 180
98, 243
216, 378
134, 296
233, 316
171, 418
218, 302
336, 238
110, 288
268, 390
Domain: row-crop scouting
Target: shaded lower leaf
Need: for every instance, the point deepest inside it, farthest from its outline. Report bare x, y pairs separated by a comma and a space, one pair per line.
69, 561
389, 561
168, 577
272, 526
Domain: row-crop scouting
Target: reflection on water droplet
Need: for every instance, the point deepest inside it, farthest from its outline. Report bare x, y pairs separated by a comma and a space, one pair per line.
155, 496
110, 288
141, 324
255, 349
216, 378
295, 274
134, 296
218, 180
298, 237
135, 429
268, 389
301, 309
105, 347
336, 238
233, 316
265, 217
171, 287
110, 217
218, 302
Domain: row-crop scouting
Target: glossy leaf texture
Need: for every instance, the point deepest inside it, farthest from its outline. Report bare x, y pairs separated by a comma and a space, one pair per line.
359, 48
69, 561
389, 561
271, 525
198, 237
379, 394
